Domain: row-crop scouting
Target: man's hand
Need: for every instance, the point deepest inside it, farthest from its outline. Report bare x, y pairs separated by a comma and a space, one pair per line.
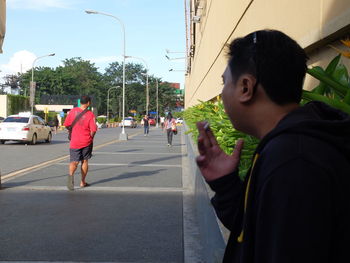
212, 161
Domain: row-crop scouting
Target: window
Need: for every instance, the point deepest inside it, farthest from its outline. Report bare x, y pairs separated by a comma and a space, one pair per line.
17, 119
36, 121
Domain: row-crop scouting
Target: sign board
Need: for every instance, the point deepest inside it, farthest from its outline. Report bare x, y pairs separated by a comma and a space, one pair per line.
46, 110
152, 112
132, 111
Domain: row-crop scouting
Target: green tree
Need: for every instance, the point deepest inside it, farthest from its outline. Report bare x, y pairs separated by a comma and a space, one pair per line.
75, 77
79, 77
135, 89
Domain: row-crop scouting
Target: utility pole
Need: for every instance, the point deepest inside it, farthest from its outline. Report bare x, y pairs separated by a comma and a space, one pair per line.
157, 104
119, 106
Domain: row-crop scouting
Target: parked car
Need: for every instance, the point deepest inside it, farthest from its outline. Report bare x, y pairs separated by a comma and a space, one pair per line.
152, 121
24, 127
129, 122
179, 120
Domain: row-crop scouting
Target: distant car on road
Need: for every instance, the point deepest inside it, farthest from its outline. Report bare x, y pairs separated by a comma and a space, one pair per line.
179, 120
151, 121
129, 122
24, 127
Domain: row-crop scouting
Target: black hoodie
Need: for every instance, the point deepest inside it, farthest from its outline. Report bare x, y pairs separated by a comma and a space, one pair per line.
297, 193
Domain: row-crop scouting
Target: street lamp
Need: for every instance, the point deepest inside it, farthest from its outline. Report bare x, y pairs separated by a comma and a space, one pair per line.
123, 136
168, 51
168, 58
147, 90
32, 87
108, 99
175, 70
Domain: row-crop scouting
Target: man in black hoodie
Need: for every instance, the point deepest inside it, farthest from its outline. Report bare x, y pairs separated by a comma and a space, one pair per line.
294, 203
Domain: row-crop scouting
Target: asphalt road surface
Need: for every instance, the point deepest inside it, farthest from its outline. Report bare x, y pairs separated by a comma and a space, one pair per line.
132, 212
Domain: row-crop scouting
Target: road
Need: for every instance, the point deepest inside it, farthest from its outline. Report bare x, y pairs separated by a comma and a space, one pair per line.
132, 212
15, 156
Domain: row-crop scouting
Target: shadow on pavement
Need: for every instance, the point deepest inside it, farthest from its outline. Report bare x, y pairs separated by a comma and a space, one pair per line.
156, 160
22, 183
128, 175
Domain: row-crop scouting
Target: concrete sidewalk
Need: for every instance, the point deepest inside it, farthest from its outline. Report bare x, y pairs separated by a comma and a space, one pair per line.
132, 212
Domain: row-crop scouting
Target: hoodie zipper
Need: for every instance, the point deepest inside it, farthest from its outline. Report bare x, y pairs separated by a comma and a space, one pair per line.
241, 236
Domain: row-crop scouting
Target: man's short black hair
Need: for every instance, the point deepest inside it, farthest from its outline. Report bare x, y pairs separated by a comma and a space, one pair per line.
85, 99
276, 60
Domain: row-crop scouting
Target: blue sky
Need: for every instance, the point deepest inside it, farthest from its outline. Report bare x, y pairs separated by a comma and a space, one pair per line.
39, 27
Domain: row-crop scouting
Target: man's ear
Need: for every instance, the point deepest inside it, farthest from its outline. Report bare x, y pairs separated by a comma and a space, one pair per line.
245, 84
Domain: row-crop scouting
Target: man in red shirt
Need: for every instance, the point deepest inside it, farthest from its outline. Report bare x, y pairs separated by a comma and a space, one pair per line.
81, 143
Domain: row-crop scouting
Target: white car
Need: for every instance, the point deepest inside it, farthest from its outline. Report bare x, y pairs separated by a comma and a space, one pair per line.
179, 120
24, 127
129, 122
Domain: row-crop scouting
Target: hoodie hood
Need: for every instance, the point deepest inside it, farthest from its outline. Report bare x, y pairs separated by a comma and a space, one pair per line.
318, 120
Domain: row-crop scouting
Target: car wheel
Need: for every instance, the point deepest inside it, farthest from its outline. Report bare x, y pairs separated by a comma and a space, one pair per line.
49, 138
34, 139
2, 141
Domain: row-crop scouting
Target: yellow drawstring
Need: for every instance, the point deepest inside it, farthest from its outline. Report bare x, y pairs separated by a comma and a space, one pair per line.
240, 238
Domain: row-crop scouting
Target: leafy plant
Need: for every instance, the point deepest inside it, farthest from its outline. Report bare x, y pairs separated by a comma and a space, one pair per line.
17, 103
226, 135
178, 114
101, 120
334, 86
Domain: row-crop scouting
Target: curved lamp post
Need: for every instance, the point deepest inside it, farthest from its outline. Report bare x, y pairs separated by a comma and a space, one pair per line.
123, 135
32, 94
157, 104
147, 89
108, 100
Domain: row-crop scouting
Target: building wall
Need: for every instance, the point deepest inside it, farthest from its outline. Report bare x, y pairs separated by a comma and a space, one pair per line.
3, 106
313, 24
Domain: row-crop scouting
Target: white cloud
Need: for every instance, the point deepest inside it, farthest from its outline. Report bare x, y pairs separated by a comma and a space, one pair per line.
21, 61
39, 4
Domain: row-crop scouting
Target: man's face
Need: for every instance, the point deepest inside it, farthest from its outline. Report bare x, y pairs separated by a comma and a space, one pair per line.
229, 98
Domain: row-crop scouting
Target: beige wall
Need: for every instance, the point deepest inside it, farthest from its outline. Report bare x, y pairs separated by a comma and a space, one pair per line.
3, 106
308, 22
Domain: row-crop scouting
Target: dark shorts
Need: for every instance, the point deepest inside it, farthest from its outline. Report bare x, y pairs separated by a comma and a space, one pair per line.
77, 155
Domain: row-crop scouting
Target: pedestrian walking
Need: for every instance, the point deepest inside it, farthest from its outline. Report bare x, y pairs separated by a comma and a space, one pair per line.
56, 124
145, 121
294, 205
83, 128
162, 119
170, 127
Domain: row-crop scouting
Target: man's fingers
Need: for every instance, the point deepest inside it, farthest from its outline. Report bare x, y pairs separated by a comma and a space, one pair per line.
238, 149
200, 160
211, 136
203, 134
201, 146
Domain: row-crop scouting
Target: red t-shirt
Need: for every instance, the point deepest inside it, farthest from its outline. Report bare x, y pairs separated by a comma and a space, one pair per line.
81, 134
